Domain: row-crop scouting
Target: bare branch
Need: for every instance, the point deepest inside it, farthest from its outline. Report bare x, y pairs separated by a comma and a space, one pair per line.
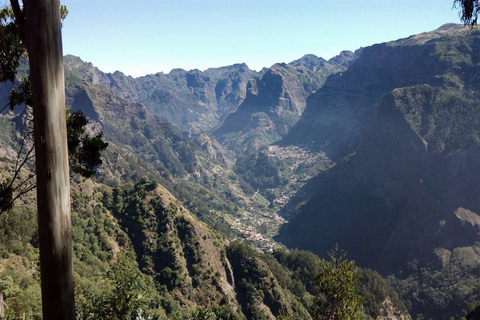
24, 191
23, 182
3, 109
18, 168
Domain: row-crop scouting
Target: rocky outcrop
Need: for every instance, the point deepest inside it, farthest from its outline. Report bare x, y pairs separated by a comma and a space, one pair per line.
389, 312
212, 148
274, 103
337, 113
193, 100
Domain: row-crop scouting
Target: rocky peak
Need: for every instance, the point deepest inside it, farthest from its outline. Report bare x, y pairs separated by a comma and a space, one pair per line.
345, 58
309, 61
193, 100
274, 102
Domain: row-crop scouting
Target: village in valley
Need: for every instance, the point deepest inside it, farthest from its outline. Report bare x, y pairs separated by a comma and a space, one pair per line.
259, 220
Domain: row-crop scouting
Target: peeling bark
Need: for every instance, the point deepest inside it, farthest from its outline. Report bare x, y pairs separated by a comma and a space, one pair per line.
42, 26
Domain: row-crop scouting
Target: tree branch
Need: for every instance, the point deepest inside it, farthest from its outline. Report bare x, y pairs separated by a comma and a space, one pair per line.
28, 156
23, 182
19, 18
24, 191
3, 109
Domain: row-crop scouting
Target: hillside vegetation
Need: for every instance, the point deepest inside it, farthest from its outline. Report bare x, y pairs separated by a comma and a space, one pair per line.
402, 125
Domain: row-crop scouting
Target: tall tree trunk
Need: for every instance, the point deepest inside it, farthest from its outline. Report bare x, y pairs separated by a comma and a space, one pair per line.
2, 305
42, 32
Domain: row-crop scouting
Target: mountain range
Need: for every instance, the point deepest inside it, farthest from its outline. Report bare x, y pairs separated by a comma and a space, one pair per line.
377, 150
276, 100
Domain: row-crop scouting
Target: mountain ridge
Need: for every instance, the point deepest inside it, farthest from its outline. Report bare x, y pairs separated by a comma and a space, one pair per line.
274, 102
402, 125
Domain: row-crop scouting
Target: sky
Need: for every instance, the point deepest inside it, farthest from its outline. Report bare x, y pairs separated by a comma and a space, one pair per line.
141, 37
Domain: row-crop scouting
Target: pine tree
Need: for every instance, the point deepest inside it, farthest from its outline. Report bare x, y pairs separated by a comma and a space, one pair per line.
337, 281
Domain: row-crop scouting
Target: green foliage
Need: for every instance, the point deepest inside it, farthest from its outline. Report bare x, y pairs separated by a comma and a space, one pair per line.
469, 10
163, 153
18, 232
447, 119
21, 94
205, 203
21, 295
11, 46
261, 280
337, 281
84, 150
375, 290
19, 263
304, 266
427, 290
203, 314
166, 247
123, 300
260, 171
473, 313
94, 234
6, 195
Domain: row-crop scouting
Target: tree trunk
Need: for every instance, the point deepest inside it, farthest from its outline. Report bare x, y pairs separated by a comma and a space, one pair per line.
44, 45
2, 305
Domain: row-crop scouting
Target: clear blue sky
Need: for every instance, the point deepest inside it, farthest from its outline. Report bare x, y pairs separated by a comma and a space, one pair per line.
147, 36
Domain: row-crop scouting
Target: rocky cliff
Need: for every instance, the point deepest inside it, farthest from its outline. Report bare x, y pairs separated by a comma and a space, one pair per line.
403, 122
195, 101
275, 102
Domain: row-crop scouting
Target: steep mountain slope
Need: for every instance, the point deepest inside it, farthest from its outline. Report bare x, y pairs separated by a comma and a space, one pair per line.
146, 145
274, 102
336, 114
190, 264
183, 265
404, 197
194, 167
195, 101
193, 262
197, 266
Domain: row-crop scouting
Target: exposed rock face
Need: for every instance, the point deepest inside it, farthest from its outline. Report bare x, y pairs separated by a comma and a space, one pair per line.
345, 58
403, 121
197, 101
129, 125
193, 100
274, 103
337, 113
389, 312
214, 149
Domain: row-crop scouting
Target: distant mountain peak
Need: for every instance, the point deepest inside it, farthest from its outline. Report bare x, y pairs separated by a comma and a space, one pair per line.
345, 58
309, 60
448, 29
450, 26
177, 70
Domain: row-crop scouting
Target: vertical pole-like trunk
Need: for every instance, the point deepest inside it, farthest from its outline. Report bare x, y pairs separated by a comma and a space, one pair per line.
44, 45
2, 305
